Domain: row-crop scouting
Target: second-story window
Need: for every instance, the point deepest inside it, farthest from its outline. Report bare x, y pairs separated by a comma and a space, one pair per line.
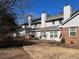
53, 22
60, 21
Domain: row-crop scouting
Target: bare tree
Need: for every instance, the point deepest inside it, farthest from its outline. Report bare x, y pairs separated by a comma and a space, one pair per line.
8, 17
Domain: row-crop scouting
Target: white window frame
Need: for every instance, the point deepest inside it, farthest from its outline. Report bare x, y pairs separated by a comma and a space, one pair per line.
53, 22
73, 31
53, 32
43, 34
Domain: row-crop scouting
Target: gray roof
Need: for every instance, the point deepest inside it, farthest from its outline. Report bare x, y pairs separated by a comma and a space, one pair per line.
59, 16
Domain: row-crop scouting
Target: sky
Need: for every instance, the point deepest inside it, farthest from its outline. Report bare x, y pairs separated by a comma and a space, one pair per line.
51, 7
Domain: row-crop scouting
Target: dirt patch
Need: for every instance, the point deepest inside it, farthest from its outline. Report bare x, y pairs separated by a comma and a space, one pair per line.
44, 51
14, 53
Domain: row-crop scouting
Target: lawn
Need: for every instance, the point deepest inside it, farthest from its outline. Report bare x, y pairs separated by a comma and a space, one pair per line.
40, 50
47, 51
13, 53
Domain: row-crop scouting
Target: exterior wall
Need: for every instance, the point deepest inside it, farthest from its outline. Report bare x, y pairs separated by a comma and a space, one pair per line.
57, 23
23, 26
51, 23
33, 26
38, 25
73, 22
48, 35
38, 34
56, 39
48, 24
70, 40
22, 33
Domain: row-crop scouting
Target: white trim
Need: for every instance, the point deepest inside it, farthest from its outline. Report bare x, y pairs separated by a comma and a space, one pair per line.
75, 31
53, 33
43, 34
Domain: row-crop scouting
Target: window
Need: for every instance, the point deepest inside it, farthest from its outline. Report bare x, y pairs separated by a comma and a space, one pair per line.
53, 22
54, 34
51, 34
43, 34
72, 31
60, 21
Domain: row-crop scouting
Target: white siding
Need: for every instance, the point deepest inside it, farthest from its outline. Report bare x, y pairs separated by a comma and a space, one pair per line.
51, 23
38, 25
57, 23
33, 26
23, 32
23, 26
38, 34
48, 24
73, 22
48, 35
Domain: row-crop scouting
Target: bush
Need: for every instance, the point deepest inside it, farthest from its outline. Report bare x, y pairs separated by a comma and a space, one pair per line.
62, 41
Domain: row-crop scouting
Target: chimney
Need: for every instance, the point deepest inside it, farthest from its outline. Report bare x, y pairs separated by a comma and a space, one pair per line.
43, 19
29, 21
67, 11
